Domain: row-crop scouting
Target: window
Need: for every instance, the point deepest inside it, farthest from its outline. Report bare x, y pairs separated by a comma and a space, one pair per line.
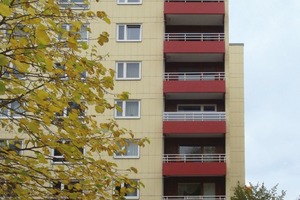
14, 110
129, 150
128, 70
82, 34
129, 32
189, 189
131, 191
129, 109
129, 1
71, 186
10, 145
73, 108
74, 4
58, 156
196, 107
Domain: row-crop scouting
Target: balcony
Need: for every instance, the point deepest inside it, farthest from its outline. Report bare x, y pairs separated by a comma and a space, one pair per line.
207, 43
194, 82
210, 197
194, 122
194, 165
194, 158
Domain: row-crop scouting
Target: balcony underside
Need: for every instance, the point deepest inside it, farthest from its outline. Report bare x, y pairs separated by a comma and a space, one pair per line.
194, 57
194, 8
213, 86
194, 169
194, 127
192, 47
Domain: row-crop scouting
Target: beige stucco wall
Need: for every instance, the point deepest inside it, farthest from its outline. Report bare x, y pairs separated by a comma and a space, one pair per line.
235, 147
148, 90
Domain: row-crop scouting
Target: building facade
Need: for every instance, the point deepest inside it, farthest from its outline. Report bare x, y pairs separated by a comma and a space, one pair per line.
186, 95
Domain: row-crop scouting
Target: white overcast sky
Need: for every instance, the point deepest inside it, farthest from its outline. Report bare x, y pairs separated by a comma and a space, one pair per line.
270, 31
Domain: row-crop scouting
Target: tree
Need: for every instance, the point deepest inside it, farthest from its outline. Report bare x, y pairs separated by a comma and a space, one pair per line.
257, 192
49, 106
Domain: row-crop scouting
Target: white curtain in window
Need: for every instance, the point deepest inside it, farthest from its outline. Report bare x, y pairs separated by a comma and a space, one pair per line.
121, 32
120, 69
83, 32
133, 32
120, 103
132, 109
132, 70
132, 149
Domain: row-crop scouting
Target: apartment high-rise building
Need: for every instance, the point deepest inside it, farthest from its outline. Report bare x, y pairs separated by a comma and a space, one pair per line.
186, 95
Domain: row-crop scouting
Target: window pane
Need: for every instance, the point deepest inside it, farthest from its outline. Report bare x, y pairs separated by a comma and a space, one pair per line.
134, 1
83, 32
209, 108
187, 189
189, 150
132, 149
189, 108
120, 103
133, 32
121, 32
132, 109
120, 69
133, 70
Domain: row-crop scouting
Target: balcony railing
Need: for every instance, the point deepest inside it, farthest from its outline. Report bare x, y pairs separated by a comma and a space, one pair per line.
194, 36
194, 158
219, 197
194, 76
194, 116
194, 1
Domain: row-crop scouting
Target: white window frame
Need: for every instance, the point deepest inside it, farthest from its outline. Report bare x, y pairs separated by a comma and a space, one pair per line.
124, 148
72, 5
125, 66
126, 2
123, 107
61, 156
68, 27
201, 107
9, 114
126, 26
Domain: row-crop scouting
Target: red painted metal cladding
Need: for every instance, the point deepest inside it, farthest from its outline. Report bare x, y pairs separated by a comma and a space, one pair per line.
194, 47
211, 86
194, 8
194, 169
193, 127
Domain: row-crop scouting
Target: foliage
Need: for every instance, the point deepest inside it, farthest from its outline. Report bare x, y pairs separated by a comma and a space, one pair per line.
44, 98
256, 192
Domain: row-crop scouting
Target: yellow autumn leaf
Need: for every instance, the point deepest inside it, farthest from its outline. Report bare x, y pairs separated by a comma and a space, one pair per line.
31, 11
42, 36
42, 94
5, 10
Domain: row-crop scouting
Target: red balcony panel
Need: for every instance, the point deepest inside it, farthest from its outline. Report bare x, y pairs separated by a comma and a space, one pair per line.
217, 86
194, 8
194, 169
193, 127
194, 47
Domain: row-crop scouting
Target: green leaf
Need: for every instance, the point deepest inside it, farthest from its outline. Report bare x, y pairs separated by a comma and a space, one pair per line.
5, 10
3, 60
2, 88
